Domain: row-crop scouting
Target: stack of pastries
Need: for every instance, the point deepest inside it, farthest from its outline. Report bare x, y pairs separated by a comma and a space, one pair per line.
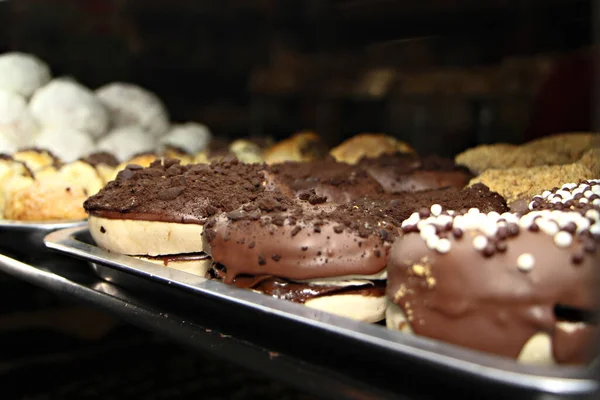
496, 250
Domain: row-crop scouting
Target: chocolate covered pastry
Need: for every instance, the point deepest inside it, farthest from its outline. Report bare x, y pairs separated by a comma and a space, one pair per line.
407, 173
337, 182
517, 286
329, 257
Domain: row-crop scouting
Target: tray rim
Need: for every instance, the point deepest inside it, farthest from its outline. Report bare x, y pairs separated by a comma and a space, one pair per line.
566, 380
51, 225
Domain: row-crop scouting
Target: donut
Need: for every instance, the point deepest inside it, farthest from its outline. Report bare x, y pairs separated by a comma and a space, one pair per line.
517, 286
131, 105
302, 146
68, 144
18, 127
337, 182
161, 210
406, 172
368, 145
328, 257
22, 73
64, 103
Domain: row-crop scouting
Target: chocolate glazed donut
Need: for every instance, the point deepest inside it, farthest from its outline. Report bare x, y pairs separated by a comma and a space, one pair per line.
520, 287
398, 173
327, 257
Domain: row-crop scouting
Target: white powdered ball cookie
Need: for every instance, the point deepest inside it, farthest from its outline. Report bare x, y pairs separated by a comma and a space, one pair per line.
67, 144
126, 142
190, 137
18, 128
22, 73
132, 105
64, 103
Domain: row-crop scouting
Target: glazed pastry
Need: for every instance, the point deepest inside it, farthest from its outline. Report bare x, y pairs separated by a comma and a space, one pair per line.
331, 258
37, 159
398, 172
105, 163
517, 286
368, 145
14, 175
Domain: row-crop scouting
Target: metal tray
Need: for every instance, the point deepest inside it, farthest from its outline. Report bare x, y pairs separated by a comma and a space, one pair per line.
25, 239
379, 356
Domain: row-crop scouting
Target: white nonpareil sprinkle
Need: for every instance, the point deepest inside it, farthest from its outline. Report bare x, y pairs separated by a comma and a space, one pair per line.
595, 229
563, 239
427, 231
593, 214
583, 200
549, 227
596, 202
436, 209
525, 262
443, 246
546, 193
588, 193
569, 186
432, 242
480, 242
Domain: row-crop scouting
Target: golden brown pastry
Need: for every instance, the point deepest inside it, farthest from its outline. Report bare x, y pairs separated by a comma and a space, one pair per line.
518, 183
13, 175
557, 149
302, 146
36, 159
368, 145
247, 151
55, 194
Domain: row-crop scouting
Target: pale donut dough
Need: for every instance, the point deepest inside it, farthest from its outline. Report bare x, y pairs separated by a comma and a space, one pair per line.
195, 267
133, 237
354, 306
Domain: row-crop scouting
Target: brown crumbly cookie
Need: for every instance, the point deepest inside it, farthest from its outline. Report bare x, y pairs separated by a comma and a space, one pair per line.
553, 150
591, 160
518, 183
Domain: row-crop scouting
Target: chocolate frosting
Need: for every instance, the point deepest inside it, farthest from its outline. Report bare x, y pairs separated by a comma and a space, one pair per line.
338, 182
166, 259
473, 299
170, 192
405, 172
298, 243
298, 292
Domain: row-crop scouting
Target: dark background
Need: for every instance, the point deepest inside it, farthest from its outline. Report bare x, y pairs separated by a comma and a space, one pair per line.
441, 74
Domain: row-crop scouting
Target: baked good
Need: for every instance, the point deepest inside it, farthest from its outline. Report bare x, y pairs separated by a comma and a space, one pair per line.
557, 149
161, 210
334, 181
247, 151
64, 103
22, 73
105, 163
522, 183
37, 159
131, 105
302, 146
126, 142
406, 172
191, 137
13, 176
66, 143
517, 286
54, 194
368, 145
329, 257
18, 128
194, 263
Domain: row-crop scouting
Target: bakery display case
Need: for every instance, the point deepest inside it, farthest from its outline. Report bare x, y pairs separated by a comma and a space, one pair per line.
356, 198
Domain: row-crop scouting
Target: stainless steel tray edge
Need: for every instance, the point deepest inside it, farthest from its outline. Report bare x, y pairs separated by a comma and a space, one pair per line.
552, 380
